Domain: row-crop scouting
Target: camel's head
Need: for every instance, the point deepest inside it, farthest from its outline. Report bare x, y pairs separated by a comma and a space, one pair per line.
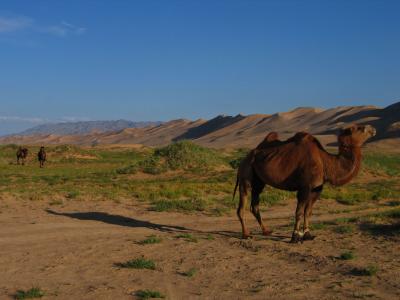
356, 135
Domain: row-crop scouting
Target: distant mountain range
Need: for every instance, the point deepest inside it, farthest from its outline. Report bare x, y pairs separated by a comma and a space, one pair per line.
224, 131
84, 127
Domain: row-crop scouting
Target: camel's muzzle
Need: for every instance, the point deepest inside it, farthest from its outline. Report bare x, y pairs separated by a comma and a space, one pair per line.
371, 130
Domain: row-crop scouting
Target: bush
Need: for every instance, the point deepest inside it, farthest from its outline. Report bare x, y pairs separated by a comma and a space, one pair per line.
186, 154
131, 169
183, 155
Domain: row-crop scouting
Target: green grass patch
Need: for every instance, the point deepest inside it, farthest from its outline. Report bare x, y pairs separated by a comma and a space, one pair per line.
274, 196
152, 239
72, 195
186, 205
32, 293
202, 179
148, 294
343, 229
356, 193
348, 255
318, 226
388, 164
370, 270
209, 237
138, 263
345, 220
131, 169
190, 273
187, 237
385, 223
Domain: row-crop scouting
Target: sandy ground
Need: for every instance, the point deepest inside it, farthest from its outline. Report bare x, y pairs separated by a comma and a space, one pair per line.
70, 251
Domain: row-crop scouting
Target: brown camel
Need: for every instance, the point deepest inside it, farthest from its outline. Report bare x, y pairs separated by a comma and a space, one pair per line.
22, 154
298, 164
42, 156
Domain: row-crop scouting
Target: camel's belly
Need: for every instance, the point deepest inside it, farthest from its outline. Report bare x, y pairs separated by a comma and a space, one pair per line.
288, 179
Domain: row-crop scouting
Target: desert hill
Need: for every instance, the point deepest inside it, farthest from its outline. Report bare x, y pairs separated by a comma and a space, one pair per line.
84, 127
240, 130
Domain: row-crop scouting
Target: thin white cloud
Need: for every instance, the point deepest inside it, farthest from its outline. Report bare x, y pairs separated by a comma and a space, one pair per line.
10, 24
54, 30
73, 28
63, 29
15, 23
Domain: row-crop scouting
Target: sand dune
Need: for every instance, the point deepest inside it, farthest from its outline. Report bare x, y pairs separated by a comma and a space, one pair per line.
239, 130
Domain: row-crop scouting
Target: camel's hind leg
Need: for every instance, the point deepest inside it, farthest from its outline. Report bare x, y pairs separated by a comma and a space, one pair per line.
257, 188
243, 191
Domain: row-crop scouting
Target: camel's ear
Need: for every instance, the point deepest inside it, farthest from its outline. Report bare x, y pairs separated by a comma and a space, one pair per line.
345, 131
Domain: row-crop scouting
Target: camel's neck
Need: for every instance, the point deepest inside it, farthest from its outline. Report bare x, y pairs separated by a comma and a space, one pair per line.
341, 168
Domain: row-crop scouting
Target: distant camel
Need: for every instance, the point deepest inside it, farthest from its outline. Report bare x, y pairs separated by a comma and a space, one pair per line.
298, 164
22, 154
42, 156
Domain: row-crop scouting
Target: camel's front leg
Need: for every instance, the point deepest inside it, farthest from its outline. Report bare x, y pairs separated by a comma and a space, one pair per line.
314, 196
297, 235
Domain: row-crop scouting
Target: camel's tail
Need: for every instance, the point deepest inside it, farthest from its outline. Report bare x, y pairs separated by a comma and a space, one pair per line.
234, 191
250, 159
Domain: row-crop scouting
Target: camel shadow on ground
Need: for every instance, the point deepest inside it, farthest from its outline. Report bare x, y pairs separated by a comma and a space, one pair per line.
135, 223
120, 221
256, 236
386, 230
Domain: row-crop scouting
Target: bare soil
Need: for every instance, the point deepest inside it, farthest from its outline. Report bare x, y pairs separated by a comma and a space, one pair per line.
71, 250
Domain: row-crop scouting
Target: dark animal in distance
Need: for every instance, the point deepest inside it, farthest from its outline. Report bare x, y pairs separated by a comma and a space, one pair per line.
22, 154
298, 164
42, 156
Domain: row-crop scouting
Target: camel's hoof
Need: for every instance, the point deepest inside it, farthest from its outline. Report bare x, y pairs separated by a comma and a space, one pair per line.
296, 239
308, 236
246, 236
267, 232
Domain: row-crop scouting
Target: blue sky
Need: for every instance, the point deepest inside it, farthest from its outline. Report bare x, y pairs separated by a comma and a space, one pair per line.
160, 60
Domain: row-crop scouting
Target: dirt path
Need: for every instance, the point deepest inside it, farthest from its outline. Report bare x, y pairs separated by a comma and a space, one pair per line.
70, 251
